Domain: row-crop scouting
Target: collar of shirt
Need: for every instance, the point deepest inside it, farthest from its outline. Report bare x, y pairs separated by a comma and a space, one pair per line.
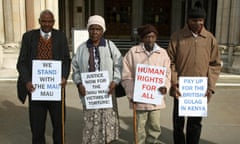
155, 48
188, 33
194, 34
43, 33
101, 43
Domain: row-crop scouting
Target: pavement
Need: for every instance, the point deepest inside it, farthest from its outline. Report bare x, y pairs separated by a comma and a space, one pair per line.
222, 126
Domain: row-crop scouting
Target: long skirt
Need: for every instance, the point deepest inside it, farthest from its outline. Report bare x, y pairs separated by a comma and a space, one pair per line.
101, 126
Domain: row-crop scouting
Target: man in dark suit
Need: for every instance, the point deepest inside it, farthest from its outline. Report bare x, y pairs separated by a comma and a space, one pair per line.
36, 47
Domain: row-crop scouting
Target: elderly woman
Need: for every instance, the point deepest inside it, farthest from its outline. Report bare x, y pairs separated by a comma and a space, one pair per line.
101, 126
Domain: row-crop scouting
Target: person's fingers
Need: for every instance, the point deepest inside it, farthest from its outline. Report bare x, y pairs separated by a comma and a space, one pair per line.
111, 88
163, 90
178, 92
82, 90
30, 87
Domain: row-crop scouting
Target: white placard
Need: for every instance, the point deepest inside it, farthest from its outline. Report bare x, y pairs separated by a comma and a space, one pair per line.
96, 85
79, 36
147, 81
193, 101
46, 78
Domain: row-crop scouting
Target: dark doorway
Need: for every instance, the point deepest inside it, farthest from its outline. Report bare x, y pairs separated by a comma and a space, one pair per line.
118, 18
158, 13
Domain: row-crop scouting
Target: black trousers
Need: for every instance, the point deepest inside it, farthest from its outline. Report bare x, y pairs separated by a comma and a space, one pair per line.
38, 113
193, 130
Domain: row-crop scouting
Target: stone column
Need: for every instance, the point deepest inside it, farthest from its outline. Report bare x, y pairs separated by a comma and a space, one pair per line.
234, 29
176, 15
8, 21
19, 19
234, 35
14, 20
34, 8
53, 6
2, 32
1, 56
30, 24
228, 31
39, 5
222, 28
137, 14
222, 22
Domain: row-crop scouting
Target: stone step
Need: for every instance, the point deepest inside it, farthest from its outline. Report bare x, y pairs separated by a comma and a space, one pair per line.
9, 54
9, 61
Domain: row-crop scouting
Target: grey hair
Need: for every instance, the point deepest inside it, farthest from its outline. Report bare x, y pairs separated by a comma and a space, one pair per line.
46, 11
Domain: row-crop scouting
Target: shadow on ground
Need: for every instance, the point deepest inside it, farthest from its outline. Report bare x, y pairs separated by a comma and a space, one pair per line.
15, 126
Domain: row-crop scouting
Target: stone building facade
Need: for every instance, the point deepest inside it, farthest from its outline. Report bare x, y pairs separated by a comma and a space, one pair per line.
228, 34
19, 16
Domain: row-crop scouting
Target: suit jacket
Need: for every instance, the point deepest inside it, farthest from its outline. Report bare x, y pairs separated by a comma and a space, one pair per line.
28, 52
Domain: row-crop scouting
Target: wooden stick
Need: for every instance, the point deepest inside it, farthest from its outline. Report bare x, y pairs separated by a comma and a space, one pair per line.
63, 115
135, 123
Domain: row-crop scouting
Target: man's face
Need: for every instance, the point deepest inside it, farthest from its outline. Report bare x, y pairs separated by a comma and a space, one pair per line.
149, 40
196, 24
95, 32
46, 22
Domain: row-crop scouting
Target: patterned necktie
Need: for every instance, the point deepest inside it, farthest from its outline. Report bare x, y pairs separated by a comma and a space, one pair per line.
91, 60
46, 36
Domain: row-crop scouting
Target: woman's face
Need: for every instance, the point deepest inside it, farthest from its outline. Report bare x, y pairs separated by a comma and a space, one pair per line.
196, 24
95, 32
